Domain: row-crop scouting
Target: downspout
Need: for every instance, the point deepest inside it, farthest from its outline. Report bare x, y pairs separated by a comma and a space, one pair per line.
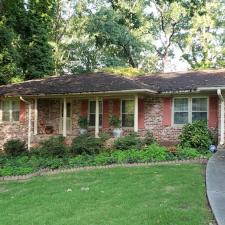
221, 116
29, 122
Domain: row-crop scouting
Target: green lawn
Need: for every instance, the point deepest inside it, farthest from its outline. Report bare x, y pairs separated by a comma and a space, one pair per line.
168, 195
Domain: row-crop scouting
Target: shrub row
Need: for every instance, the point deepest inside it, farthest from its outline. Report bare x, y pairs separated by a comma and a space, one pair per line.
153, 153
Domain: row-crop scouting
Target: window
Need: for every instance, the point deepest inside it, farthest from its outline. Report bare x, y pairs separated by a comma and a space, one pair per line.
127, 113
199, 109
10, 111
180, 110
187, 110
92, 106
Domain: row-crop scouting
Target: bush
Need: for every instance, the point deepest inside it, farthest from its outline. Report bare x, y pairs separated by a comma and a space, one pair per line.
149, 138
196, 135
54, 146
15, 147
154, 153
131, 141
187, 153
86, 144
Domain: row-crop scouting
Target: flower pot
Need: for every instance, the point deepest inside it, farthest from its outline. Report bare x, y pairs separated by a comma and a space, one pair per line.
117, 132
83, 131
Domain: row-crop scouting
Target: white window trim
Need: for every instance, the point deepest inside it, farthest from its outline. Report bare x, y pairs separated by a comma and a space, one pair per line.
189, 109
61, 118
121, 113
93, 100
10, 111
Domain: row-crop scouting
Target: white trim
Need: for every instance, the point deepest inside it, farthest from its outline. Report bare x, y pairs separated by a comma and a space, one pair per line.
10, 111
96, 117
136, 113
64, 116
29, 122
88, 114
189, 109
61, 117
92, 93
221, 116
121, 111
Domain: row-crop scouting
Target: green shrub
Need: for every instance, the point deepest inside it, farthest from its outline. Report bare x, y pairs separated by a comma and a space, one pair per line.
54, 146
131, 141
83, 122
81, 160
104, 159
187, 153
149, 138
154, 153
196, 135
15, 147
86, 144
104, 136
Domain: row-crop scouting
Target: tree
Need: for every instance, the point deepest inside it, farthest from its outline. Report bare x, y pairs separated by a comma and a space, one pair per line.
166, 18
202, 40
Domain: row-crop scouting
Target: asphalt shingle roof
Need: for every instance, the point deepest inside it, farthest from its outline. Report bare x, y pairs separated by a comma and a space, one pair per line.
184, 81
105, 82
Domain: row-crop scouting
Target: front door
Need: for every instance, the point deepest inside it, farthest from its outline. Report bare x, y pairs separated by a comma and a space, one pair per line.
68, 118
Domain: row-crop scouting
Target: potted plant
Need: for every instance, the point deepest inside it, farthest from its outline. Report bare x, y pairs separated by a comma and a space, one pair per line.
83, 124
115, 122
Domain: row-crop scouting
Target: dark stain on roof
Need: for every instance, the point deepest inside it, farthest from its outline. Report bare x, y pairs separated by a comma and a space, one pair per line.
105, 82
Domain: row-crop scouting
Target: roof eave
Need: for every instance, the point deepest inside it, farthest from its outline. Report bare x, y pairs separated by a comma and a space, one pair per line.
134, 91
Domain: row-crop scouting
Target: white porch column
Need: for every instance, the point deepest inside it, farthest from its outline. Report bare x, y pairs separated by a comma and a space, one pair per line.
96, 117
35, 117
64, 116
136, 113
221, 116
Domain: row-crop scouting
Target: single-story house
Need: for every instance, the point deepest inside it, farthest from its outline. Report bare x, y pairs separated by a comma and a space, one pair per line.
163, 103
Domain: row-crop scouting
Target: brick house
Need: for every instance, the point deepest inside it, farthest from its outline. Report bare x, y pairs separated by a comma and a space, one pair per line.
163, 103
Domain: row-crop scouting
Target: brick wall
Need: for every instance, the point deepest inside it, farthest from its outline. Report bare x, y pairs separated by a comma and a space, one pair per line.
49, 114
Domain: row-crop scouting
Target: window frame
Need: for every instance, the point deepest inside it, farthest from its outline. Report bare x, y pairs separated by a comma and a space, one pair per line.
10, 110
93, 100
69, 132
189, 109
121, 111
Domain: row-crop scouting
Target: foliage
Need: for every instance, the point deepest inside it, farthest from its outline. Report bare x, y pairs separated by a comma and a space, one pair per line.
196, 135
15, 147
19, 165
130, 141
148, 138
83, 122
54, 146
115, 121
125, 71
188, 153
104, 136
86, 144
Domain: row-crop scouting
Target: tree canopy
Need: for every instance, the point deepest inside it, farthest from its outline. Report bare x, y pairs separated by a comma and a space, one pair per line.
41, 38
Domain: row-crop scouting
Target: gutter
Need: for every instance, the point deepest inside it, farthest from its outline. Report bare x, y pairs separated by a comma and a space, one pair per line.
29, 122
221, 116
91, 93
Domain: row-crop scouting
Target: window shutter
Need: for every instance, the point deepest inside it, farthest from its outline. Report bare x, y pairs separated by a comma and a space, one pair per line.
167, 111
105, 119
116, 107
141, 114
84, 108
22, 116
213, 112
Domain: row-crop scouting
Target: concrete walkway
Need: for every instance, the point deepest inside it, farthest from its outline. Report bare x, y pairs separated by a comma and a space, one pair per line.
215, 185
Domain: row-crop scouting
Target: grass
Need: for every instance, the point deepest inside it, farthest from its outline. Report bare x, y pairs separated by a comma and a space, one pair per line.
168, 195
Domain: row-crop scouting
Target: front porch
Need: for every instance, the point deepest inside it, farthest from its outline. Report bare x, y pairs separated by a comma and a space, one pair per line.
60, 116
